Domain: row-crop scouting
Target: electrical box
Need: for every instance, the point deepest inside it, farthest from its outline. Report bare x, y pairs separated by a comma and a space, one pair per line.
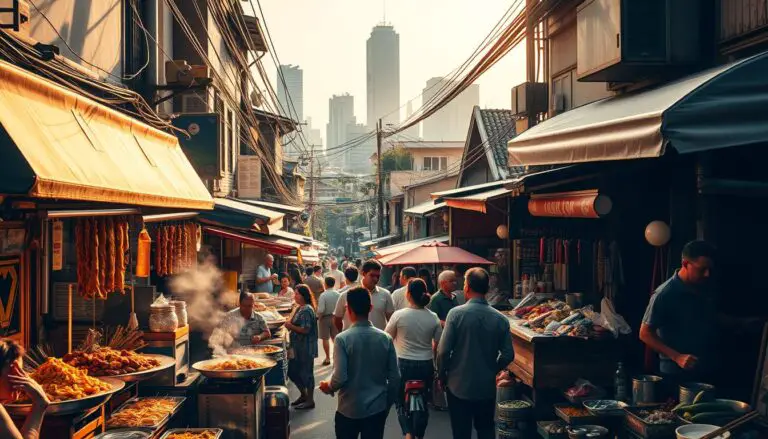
202, 147
629, 40
529, 98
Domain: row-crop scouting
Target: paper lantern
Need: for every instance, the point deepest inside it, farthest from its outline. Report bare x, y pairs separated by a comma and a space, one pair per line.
502, 232
657, 233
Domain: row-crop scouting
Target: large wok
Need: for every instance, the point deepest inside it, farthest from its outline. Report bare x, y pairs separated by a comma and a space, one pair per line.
204, 368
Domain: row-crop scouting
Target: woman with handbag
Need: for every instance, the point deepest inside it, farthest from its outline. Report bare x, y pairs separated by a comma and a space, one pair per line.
303, 328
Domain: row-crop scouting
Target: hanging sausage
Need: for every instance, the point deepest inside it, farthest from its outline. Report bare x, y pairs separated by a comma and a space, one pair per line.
101, 260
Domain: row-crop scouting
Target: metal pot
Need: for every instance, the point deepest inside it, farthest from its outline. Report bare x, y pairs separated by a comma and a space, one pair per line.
646, 389
689, 391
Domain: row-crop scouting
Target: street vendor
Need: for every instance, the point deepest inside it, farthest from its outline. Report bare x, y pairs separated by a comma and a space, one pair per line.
681, 318
244, 325
265, 278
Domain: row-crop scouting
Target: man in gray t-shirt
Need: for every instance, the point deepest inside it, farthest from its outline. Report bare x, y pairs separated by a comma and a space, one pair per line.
265, 279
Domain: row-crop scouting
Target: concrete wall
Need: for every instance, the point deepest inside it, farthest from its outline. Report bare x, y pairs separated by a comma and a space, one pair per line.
419, 194
453, 156
93, 30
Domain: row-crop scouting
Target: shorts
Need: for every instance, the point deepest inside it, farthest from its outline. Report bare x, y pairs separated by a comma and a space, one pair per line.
326, 329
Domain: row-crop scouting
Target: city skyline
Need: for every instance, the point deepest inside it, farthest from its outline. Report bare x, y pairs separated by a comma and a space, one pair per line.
382, 73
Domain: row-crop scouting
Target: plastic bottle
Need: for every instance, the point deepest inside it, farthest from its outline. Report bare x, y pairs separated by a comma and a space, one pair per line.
620, 383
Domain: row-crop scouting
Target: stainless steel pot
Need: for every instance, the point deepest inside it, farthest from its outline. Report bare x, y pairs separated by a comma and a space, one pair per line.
689, 391
646, 389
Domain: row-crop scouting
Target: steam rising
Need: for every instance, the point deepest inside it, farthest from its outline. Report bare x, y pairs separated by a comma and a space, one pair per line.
202, 289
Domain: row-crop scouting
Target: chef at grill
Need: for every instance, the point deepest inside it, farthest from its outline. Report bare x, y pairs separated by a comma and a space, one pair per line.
244, 325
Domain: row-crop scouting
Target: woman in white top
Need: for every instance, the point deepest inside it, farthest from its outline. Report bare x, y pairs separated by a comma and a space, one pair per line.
415, 331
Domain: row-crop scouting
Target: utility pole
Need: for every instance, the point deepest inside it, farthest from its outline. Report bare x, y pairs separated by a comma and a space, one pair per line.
311, 188
380, 180
530, 51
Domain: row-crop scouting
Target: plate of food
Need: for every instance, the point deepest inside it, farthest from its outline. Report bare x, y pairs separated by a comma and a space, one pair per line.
235, 367
125, 365
193, 433
70, 390
258, 350
149, 412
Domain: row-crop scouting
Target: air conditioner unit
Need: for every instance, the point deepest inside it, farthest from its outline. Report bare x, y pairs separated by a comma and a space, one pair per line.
630, 40
182, 73
529, 98
194, 102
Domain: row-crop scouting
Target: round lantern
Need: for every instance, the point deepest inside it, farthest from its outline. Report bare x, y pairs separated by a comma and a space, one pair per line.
502, 231
657, 233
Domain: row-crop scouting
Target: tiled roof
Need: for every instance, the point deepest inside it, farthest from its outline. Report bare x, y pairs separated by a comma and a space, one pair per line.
500, 127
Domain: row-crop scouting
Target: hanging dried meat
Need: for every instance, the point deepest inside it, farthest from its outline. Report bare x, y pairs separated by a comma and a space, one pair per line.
101, 246
120, 258
80, 245
178, 250
111, 254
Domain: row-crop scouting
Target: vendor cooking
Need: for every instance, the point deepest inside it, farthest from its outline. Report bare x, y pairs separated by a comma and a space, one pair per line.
680, 323
244, 325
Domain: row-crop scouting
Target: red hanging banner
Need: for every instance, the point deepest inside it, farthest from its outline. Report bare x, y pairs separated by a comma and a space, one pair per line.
583, 204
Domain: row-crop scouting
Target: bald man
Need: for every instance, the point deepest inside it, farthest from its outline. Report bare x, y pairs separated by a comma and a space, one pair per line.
265, 279
446, 297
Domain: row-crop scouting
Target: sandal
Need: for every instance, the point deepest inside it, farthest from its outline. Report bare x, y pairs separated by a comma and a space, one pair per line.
305, 406
299, 400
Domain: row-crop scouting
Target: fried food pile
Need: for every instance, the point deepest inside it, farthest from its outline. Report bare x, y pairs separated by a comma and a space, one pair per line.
257, 350
144, 412
208, 434
62, 382
110, 362
238, 364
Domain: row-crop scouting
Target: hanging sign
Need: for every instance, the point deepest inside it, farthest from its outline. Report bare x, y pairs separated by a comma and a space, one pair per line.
583, 204
10, 307
57, 245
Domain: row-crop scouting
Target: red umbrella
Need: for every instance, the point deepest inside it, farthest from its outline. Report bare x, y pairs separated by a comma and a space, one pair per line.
434, 253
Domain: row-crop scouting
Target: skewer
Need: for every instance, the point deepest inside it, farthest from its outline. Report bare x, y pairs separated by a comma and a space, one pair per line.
731, 425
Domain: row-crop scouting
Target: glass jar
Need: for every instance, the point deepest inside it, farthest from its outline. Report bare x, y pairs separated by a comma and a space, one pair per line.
162, 319
180, 307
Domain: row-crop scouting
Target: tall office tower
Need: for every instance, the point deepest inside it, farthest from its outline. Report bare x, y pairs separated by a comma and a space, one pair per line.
341, 113
314, 137
383, 75
452, 121
293, 88
357, 159
411, 133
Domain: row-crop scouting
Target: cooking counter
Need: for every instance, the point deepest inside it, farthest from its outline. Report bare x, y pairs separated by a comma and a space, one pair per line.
554, 363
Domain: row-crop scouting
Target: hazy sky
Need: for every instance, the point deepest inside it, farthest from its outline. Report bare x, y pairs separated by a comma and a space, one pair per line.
326, 38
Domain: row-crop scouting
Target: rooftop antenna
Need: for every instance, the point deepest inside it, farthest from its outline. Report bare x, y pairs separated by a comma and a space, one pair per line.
384, 6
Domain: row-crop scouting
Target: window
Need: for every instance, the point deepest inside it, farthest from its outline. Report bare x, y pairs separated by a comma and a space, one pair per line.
562, 92
435, 163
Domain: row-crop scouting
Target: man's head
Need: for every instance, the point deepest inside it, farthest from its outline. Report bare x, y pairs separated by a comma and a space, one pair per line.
371, 273
246, 304
351, 274
358, 304
476, 281
330, 282
309, 271
447, 281
269, 260
317, 270
698, 262
334, 264
407, 274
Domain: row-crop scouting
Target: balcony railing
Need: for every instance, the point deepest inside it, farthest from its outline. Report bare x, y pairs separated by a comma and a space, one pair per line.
739, 18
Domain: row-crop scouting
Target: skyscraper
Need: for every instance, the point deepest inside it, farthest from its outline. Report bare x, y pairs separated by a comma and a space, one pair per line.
341, 113
293, 88
452, 121
383, 75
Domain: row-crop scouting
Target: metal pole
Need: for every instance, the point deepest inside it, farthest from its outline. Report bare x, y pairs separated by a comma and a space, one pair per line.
312, 188
380, 182
530, 52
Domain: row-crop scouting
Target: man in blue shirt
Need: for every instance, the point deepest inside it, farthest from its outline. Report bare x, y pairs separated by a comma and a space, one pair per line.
475, 346
365, 373
265, 279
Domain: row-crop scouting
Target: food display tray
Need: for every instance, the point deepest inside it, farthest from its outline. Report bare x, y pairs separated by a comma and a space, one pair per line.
178, 399
574, 420
71, 406
648, 431
216, 431
540, 427
165, 363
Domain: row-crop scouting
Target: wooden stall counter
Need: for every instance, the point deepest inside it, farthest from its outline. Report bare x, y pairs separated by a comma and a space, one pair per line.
552, 364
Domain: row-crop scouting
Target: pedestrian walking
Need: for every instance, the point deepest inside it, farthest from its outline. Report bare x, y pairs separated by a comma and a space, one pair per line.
398, 296
381, 300
445, 299
336, 274
426, 276
314, 280
325, 308
365, 373
340, 316
303, 329
475, 346
415, 331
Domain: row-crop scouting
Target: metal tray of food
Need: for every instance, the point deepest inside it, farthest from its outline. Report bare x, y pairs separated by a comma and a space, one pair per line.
258, 350
565, 412
543, 428
177, 399
126, 433
204, 368
72, 405
165, 363
605, 407
636, 423
217, 432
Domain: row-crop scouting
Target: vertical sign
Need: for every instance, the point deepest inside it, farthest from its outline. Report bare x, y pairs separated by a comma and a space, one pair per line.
57, 242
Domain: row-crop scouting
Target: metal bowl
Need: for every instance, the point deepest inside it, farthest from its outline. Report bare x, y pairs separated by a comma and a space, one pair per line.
216, 431
253, 351
72, 405
203, 368
594, 407
739, 408
165, 363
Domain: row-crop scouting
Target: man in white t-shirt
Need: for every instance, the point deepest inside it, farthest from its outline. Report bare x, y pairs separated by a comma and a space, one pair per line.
398, 296
326, 305
336, 274
381, 300
340, 315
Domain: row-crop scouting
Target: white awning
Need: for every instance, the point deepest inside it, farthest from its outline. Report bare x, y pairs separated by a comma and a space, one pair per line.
424, 209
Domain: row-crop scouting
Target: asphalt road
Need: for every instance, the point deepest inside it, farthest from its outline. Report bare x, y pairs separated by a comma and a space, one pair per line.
318, 423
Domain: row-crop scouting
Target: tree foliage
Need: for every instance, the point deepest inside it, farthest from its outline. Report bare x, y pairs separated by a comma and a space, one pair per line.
396, 159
